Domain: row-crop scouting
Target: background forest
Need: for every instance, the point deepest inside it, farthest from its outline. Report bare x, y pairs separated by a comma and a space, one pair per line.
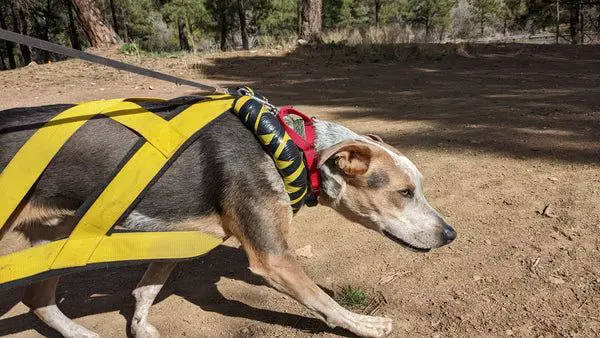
205, 25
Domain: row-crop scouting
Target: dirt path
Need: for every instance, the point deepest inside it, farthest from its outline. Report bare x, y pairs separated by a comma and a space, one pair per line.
499, 134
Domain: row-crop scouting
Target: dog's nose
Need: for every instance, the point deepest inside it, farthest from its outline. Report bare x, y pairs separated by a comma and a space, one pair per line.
449, 234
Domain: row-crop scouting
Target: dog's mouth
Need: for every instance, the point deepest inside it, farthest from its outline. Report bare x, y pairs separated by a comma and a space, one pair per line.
403, 243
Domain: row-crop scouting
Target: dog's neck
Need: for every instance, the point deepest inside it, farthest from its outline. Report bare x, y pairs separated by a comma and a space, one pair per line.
328, 134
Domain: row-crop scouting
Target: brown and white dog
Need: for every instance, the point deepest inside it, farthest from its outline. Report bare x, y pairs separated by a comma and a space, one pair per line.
226, 185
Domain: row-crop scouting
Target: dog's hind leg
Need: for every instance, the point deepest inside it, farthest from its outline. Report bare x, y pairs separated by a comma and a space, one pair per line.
40, 297
146, 291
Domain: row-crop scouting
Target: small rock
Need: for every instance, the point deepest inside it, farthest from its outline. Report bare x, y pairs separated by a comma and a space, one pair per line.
302, 42
305, 251
477, 278
488, 242
245, 330
552, 178
150, 87
32, 64
546, 212
509, 332
102, 89
556, 280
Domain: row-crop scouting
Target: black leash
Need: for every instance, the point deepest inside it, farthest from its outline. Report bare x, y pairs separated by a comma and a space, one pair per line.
54, 48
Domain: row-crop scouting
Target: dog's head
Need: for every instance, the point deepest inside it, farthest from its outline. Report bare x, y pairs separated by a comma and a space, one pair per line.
371, 183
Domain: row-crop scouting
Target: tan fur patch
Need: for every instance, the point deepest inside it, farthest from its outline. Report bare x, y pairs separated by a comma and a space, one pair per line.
212, 225
32, 212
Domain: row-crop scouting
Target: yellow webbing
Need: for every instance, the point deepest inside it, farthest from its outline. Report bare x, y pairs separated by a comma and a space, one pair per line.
89, 242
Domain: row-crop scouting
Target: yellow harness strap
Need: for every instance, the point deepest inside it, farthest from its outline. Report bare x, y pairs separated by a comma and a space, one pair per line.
89, 242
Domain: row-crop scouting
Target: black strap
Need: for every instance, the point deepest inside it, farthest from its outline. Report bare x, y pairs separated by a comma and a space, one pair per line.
54, 48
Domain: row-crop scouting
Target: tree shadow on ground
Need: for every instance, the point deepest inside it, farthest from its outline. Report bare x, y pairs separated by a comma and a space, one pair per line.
524, 101
107, 290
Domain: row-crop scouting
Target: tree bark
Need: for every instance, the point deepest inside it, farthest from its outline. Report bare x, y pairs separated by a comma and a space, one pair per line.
243, 30
100, 33
574, 21
310, 22
72, 28
183, 40
20, 25
10, 47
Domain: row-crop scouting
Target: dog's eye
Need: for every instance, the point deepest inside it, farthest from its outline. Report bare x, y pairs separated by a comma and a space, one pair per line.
406, 193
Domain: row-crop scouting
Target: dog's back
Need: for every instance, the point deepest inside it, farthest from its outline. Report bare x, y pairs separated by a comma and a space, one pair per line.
196, 185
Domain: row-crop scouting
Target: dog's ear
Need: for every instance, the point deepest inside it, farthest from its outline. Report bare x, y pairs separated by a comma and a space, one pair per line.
351, 157
375, 137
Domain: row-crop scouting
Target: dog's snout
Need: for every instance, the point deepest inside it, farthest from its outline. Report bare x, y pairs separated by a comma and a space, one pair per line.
449, 234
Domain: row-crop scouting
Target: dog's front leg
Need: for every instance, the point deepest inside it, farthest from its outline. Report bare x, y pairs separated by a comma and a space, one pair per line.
146, 291
286, 275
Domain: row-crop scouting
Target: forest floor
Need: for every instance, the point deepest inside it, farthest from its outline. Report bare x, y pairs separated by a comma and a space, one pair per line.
499, 132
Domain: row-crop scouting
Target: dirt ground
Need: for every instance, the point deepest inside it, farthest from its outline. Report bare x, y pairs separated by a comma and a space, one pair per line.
499, 132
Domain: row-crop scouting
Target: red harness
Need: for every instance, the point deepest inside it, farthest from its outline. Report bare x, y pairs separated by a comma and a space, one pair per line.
306, 145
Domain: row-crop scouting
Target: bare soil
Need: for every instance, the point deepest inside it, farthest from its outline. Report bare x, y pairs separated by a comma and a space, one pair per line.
499, 132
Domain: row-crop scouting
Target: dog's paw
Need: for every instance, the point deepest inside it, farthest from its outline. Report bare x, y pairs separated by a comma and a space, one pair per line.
144, 330
368, 326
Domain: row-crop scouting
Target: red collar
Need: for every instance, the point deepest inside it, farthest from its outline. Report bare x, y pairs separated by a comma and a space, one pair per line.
306, 145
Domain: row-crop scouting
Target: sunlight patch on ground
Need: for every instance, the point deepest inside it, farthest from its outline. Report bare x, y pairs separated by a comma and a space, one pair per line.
426, 70
555, 132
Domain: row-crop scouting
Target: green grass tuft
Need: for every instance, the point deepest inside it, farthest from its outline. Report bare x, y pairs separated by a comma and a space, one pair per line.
129, 49
352, 297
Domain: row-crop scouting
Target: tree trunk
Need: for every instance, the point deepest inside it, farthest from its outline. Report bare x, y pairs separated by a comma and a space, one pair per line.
113, 12
557, 20
183, 40
481, 22
581, 23
377, 12
2, 64
243, 30
10, 47
72, 28
574, 21
45, 31
100, 33
223, 27
21, 27
310, 21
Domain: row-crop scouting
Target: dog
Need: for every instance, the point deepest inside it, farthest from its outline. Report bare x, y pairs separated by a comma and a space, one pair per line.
223, 184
